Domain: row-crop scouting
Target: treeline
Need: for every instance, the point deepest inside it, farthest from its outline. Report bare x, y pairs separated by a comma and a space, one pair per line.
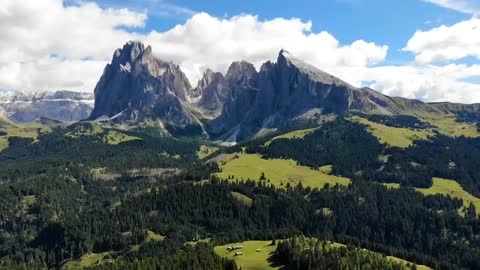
198, 257
440, 156
355, 153
345, 145
301, 253
58, 149
73, 215
399, 121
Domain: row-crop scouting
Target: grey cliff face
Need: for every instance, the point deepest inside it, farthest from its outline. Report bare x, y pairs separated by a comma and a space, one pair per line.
67, 106
212, 92
241, 104
279, 93
290, 93
219, 91
138, 82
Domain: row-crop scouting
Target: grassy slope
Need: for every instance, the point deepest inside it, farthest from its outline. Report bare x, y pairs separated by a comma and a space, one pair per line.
152, 236
447, 125
114, 137
296, 134
205, 151
87, 260
30, 130
404, 137
279, 171
393, 136
253, 260
247, 201
447, 187
88, 129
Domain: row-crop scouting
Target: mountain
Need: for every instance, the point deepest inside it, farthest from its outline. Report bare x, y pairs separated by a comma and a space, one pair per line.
244, 103
137, 87
219, 90
22, 107
291, 92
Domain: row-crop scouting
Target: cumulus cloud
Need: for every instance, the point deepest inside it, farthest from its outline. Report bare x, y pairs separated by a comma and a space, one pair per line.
465, 6
209, 42
45, 35
68, 47
428, 83
446, 42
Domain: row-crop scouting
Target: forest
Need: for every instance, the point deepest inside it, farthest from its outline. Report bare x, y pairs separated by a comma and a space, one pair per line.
53, 210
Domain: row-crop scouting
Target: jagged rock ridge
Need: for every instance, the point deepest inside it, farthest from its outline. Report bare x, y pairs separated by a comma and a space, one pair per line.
241, 104
23, 107
137, 86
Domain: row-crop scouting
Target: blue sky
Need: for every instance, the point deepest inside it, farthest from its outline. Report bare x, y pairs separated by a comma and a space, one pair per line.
423, 49
384, 22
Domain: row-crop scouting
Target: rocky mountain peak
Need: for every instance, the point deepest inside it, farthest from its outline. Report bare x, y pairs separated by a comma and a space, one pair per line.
287, 59
137, 81
241, 71
130, 52
207, 78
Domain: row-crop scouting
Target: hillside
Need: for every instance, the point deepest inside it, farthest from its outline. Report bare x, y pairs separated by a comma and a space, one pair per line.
163, 175
138, 88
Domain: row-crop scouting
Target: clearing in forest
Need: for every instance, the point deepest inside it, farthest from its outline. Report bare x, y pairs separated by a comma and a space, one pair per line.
393, 136
251, 259
278, 172
30, 130
257, 255
447, 187
206, 150
296, 134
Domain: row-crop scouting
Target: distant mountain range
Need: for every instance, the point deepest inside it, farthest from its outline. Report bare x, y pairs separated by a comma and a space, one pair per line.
137, 88
22, 107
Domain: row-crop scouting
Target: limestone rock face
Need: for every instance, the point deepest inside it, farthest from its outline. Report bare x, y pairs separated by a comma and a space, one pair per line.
244, 103
136, 81
212, 92
288, 93
67, 106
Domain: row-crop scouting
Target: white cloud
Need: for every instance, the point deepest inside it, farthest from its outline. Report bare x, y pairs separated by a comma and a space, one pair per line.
446, 42
206, 41
465, 6
429, 83
33, 30
41, 50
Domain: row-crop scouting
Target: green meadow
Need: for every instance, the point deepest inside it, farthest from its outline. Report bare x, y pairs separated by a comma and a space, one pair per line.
247, 201
393, 136
257, 255
88, 260
114, 137
279, 172
296, 134
447, 187
448, 125
206, 150
31, 130
251, 259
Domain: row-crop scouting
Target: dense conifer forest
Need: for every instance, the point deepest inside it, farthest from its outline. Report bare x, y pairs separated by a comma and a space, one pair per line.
54, 209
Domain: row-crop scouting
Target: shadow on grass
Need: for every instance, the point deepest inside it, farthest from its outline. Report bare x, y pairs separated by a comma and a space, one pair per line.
275, 264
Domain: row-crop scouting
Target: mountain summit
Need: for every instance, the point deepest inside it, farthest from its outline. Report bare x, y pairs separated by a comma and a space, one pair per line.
137, 86
243, 103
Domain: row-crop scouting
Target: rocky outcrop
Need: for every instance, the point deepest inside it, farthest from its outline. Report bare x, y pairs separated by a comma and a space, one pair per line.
137, 86
67, 106
212, 93
291, 92
243, 103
